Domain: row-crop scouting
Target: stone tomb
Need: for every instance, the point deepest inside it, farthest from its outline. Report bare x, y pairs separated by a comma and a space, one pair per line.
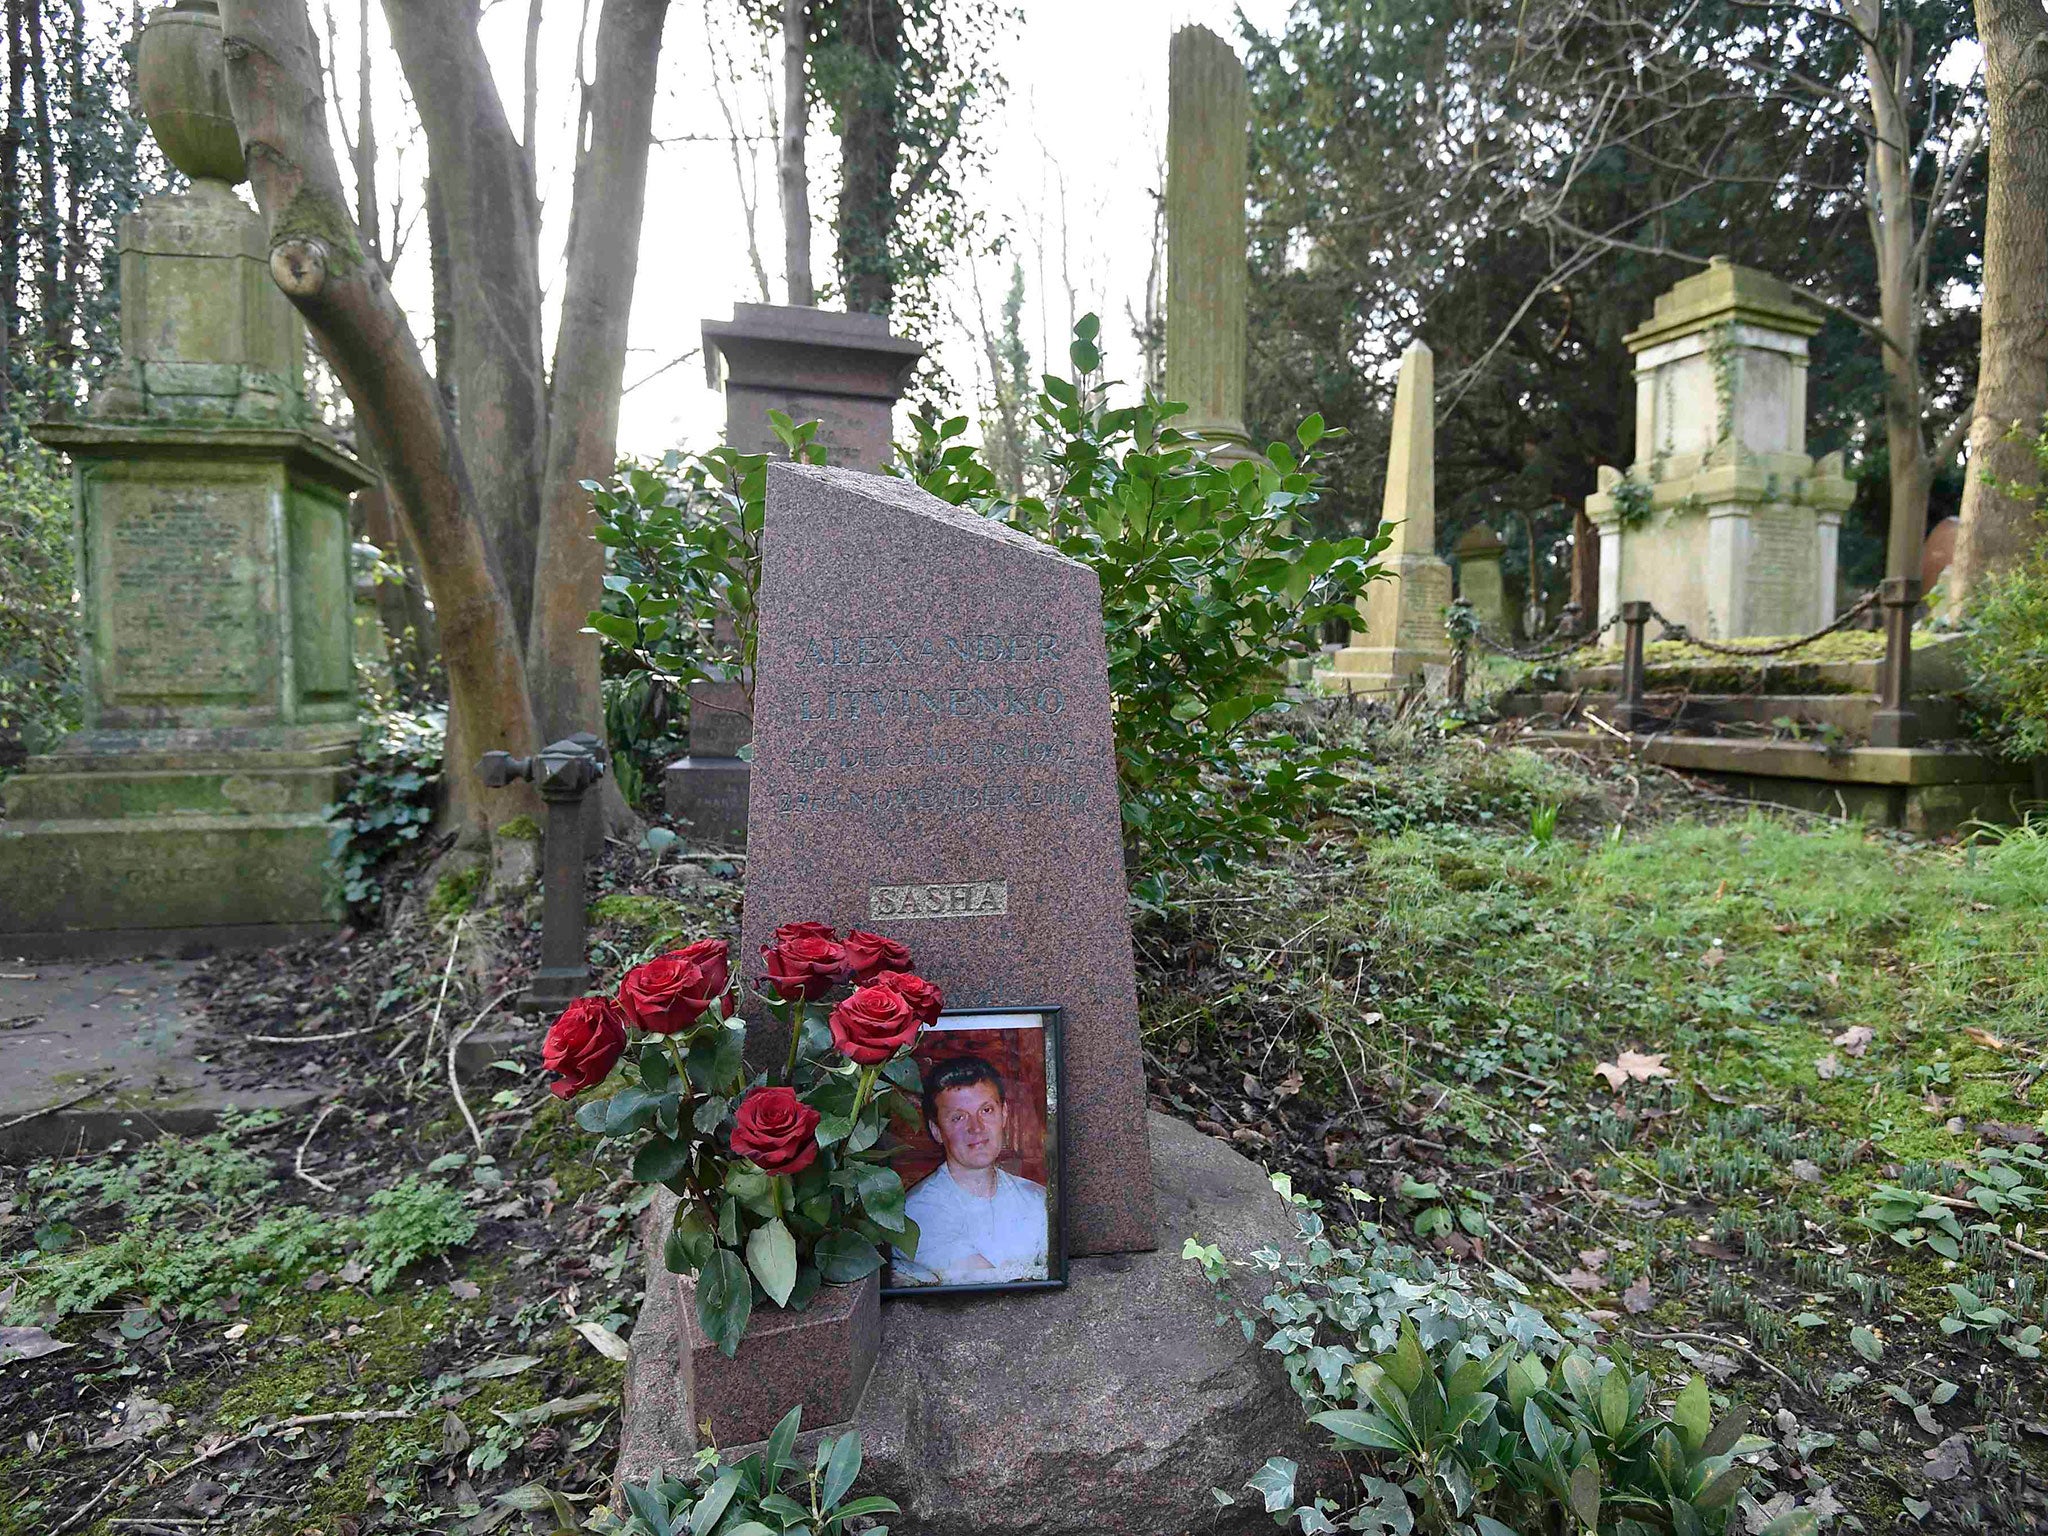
933, 760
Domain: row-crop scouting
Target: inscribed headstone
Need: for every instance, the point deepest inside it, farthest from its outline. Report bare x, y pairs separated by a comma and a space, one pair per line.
934, 759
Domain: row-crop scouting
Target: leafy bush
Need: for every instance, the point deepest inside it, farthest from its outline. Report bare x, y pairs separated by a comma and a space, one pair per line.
388, 801
2008, 657
39, 696
412, 1220
1208, 592
766, 1493
1477, 1416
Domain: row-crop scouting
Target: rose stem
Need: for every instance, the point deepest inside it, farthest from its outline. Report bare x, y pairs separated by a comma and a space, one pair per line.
796, 1033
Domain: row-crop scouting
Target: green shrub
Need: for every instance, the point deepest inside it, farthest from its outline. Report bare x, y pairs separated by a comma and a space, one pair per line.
387, 803
39, 683
767, 1492
409, 1221
1475, 1415
1209, 591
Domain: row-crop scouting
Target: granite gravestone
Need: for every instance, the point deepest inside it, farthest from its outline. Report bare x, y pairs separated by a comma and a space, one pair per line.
933, 759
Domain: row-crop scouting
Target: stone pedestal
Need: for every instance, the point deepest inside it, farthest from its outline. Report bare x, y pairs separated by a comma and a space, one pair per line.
1723, 522
1401, 639
1113, 1405
845, 372
213, 561
707, 790
1479, 580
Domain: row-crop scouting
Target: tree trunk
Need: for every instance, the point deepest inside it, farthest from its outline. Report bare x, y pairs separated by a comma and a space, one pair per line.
442, 282
367, 214
10, 206
275, 89
791, 165
2012, 371
47, 263
590, 364
1890, 199
493, 224
870, 143
66, 339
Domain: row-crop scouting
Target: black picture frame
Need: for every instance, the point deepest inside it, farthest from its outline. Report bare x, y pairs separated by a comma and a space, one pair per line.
1051, 1026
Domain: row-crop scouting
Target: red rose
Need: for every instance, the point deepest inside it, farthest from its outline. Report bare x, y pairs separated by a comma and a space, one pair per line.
874, 1024
813, 930
804, 966
925, 999
668, 993
775, 1130
714, 958
584, 1044
871, 955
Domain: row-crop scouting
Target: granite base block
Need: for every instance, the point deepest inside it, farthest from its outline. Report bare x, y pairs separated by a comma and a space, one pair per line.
709, 795
685, 1389
1109, 1408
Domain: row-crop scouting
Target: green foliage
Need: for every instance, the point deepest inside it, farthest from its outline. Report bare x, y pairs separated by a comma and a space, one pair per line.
413, 1219
768, 1492
2008, 655
387, 802
1210, 586
455, 892
1475, 1415
39, 683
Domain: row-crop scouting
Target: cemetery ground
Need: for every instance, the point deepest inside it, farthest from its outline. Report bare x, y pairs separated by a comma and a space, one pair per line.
1744, 1089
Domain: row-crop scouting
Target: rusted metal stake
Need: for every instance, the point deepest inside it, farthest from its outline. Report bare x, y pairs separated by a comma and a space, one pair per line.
1461, 649
1896, 723
1635, 621
562, 771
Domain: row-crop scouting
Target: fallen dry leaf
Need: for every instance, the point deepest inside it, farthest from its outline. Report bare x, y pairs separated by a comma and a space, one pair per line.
27, 1344
1637, 1297
1584, 1281
1713, 958
464, 1290
1855, 1040
1829, 1066
1988, 1040
1633, 1066
1805, 1170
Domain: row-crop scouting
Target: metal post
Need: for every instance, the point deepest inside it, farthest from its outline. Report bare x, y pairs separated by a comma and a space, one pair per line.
1896, 724
563, 770
1635, 622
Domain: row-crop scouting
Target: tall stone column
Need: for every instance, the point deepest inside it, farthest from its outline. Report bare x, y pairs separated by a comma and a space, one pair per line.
1208, 127
1403, 614
1724, 521
213, 560
845, 372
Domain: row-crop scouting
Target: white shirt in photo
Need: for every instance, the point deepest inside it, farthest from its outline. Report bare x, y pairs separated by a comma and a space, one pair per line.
1008, 1229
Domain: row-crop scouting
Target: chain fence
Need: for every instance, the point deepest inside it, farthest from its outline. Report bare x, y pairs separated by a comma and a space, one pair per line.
1673, 630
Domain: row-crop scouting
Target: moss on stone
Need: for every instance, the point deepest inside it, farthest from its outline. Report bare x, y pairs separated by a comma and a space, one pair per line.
524, 828
456, 893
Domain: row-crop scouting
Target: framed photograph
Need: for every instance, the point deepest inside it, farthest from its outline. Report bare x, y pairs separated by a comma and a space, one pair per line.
983, 1165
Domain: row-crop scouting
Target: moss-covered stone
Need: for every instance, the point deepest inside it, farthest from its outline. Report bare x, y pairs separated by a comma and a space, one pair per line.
456, 892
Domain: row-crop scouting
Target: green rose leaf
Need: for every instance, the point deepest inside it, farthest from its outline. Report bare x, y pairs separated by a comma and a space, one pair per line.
662, 1158
771, 1255
844, 1257
725, 1299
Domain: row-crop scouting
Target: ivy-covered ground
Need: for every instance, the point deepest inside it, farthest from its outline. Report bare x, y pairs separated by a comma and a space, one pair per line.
1752, 1091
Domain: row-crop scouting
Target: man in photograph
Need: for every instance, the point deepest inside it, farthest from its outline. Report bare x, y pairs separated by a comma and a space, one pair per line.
977, 1225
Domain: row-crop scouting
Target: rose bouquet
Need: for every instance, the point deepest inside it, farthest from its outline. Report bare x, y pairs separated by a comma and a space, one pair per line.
780, 1181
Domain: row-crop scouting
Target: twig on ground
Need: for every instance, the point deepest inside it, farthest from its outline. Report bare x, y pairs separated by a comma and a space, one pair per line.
51, 1109
78, 1515
1715, 1338
346, 1034
447, 970
454, 1082
299, 1421
299, 1162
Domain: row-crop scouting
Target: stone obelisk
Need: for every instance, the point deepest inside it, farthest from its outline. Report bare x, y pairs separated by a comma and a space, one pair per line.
1403, 614
1208, 126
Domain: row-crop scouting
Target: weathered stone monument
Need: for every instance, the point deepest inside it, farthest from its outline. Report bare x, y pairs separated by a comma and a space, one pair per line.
1723, 522
1479, 553
844, 371
1403, 629
932, 715
1208, 123
213, 558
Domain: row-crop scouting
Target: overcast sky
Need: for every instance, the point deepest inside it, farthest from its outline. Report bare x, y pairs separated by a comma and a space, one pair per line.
1085, 114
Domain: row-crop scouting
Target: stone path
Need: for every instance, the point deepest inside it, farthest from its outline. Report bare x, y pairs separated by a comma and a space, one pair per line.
91, 1052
